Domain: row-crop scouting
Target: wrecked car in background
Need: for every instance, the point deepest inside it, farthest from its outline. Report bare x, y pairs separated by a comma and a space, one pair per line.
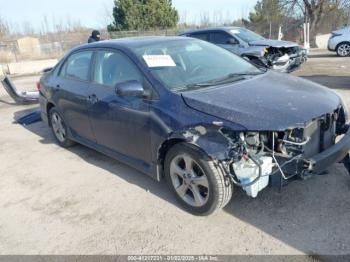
195, 114
283, 56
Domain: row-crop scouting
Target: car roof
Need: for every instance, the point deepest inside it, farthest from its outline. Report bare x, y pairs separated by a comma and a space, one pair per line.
131, 42
202, 30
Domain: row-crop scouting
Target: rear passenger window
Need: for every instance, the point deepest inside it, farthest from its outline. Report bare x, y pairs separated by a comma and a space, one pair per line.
77, 66
202, 36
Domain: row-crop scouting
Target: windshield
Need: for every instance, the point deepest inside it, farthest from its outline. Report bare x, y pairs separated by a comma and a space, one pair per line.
246, 35
187, 64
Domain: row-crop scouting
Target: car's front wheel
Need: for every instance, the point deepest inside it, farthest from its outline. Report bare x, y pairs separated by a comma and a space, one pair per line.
59, 129
343, 49
197, 183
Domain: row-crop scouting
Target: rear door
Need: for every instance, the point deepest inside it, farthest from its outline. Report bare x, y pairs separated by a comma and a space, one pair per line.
72, 93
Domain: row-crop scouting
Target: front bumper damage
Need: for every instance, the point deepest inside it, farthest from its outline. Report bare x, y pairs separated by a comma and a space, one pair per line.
288, 63
253, 160
285, 60
338, 152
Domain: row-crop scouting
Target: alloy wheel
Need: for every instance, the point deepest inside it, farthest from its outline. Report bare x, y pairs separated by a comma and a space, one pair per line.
189, 180
58, 127
344, 49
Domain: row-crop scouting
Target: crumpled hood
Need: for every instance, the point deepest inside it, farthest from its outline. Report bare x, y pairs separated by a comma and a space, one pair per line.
273, 43
270, 102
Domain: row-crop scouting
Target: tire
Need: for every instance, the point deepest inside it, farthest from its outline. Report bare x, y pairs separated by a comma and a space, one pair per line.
59, 129
343, 49
199, 177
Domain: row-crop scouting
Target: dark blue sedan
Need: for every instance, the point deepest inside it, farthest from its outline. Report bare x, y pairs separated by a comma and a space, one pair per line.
194, 113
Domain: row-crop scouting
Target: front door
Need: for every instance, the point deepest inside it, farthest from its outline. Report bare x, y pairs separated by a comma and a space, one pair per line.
119, 123
224, 40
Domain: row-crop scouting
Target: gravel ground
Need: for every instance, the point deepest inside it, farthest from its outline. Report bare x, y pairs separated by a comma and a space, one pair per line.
77, 201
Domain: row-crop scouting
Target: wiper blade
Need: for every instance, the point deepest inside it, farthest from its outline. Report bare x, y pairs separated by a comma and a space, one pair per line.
235, 77
226, 79
199, 85
192, 86
244, 74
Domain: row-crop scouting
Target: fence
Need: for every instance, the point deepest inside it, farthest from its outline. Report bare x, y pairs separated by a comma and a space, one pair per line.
56, 45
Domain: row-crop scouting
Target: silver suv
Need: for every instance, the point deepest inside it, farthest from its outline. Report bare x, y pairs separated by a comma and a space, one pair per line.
340, 42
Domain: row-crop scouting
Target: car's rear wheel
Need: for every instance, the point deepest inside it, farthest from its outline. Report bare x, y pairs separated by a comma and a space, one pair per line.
197, 183
343, 49
59, 129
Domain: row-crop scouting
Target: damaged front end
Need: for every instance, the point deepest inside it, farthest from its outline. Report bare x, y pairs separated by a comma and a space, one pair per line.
282, 59
252, 160
285, 59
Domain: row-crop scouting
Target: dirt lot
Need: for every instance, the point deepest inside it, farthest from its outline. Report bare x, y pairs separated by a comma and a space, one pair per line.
77, 201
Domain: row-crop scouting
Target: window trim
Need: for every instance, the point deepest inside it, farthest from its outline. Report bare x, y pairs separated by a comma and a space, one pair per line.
67, 58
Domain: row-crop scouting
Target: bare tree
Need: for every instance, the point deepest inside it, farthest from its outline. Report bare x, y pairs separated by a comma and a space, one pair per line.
204, 19
314, 11
105, 15
27, 28
4, 28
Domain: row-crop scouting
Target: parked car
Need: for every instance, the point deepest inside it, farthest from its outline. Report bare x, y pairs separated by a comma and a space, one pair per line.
195, 114
339, 42
283, 56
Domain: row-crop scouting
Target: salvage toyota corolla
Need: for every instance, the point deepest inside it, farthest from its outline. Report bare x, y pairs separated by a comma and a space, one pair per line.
201, 117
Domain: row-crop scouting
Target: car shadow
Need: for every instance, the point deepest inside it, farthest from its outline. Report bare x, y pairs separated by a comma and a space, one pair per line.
302, 215
333, 82
95, 158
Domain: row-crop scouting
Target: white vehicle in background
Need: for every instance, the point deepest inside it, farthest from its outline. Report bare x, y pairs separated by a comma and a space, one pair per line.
340, 42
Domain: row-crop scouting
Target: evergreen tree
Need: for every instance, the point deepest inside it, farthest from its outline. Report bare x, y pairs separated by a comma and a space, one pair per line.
143, 15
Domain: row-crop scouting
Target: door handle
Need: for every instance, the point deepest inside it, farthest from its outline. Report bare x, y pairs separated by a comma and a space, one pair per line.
57, 87
92, 99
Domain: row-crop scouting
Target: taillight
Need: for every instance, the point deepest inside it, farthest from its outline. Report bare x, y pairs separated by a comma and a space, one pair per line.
38, 86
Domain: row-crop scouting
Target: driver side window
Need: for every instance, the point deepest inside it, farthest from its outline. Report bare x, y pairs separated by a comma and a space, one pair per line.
112, 67
220, 38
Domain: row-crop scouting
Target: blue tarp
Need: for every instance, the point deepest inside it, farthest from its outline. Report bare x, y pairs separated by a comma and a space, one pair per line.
30, 118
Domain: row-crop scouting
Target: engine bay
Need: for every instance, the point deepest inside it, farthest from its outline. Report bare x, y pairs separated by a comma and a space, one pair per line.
261, 158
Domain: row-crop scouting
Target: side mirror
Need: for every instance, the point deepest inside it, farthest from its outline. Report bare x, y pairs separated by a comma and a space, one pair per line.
47, 69
130, 88
232, 41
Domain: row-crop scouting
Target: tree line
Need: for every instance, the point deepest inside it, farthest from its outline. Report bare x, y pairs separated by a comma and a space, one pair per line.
266, 18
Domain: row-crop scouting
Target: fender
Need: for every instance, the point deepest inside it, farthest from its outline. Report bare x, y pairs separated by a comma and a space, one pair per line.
207, 138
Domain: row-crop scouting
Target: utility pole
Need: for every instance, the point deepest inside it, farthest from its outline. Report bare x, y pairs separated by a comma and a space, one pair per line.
306, 30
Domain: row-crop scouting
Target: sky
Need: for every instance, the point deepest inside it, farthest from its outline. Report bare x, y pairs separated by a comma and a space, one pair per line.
97, 13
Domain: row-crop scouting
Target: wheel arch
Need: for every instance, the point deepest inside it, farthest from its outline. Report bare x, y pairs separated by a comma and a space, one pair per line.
164, 149
49, 106
209, 140
342, 42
